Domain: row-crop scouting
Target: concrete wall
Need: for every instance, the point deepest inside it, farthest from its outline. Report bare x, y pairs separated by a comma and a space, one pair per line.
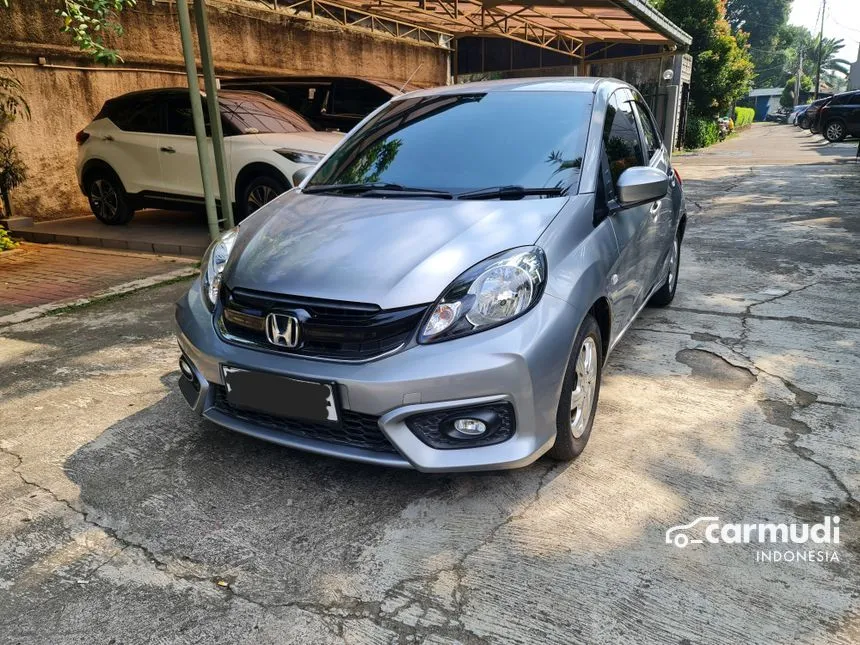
245, 40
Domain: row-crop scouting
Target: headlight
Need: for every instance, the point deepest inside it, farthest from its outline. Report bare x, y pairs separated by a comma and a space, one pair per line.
300, 156
492, 292
214, 262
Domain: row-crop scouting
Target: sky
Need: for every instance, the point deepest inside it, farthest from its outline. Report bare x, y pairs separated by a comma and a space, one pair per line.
841, 20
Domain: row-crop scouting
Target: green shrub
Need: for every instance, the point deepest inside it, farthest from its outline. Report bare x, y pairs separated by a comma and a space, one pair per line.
6, 242
701, 133
743, 116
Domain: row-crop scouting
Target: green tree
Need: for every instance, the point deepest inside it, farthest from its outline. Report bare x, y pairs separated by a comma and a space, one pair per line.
761, 19
92, 24
787, 99
722, 69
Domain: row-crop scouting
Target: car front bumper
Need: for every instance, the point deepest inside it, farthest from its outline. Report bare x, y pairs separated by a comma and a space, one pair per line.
521, 362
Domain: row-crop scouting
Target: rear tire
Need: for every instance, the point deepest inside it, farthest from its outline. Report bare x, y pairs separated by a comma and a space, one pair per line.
834, 131
108, 200
258, 191
580, 392
803, 123
666, 294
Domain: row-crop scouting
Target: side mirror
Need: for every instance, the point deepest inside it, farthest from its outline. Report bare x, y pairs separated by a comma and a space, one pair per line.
301, 173
640, 185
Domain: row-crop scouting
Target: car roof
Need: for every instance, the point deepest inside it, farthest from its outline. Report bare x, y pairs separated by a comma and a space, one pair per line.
182, 91
540, 84
392, 87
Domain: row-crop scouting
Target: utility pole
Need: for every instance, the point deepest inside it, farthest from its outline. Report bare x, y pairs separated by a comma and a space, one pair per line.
797, 84
820, 43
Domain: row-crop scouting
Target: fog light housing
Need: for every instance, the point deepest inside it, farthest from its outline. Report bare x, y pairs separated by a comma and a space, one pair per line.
469, 427
186, 370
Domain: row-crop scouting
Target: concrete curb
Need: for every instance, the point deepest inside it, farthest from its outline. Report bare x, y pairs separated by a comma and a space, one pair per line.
27, 315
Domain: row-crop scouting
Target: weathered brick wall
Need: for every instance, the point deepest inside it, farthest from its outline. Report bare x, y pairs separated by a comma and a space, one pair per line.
246, 39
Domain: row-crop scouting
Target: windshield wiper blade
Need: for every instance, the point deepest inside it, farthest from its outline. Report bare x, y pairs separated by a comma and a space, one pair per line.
377, 188
510, 192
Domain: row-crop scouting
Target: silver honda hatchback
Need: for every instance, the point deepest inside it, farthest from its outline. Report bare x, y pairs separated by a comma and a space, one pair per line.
442, 291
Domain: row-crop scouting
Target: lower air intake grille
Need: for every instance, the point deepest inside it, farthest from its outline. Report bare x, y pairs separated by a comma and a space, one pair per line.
356, 429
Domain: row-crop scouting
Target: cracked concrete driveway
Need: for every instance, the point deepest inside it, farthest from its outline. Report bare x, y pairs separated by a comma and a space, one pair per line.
124, 519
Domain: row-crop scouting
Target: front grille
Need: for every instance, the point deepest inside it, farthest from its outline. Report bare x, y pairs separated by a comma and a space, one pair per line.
329, 329
356, 429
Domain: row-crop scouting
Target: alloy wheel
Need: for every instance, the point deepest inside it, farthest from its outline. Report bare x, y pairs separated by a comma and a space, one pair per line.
673, 264
259, 196
582, 396
104, 199
834, 132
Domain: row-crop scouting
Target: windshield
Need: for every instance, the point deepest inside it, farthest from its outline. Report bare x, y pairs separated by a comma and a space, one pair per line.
467, 142
254, 113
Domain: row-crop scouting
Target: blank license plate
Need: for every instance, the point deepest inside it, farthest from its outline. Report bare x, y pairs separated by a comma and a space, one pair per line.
280, 396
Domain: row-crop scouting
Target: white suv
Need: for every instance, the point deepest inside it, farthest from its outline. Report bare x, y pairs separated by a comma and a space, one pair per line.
140, 152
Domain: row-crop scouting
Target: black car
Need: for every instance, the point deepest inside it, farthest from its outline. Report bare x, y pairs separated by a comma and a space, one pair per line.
335, 103
779, 115
840, 117
810, 117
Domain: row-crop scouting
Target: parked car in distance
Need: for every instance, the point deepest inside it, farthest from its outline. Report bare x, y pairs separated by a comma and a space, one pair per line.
840, 117
780, 115
140, 152
436, 295
810, 117
795, 113
327, 102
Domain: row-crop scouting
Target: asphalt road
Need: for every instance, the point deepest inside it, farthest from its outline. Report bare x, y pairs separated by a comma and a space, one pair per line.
124, 519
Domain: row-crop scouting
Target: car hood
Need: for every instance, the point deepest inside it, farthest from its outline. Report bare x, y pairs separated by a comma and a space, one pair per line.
388, 252
320, 142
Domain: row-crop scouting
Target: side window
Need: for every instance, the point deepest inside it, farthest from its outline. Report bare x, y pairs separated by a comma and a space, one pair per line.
652, 139
136, 114
350, 97
621, 138
179, 120
855, 100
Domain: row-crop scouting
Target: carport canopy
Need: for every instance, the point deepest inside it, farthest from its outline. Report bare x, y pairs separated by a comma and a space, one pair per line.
564, 26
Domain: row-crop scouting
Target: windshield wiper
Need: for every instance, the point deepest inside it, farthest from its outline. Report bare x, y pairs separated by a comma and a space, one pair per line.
510, 192
380, 188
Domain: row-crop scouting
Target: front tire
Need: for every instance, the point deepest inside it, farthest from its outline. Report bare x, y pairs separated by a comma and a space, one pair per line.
666, 294
579, 393
108, 200
258, 191
834, 131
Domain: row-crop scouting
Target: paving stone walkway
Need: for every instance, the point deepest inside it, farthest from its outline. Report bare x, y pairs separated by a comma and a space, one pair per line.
39, 274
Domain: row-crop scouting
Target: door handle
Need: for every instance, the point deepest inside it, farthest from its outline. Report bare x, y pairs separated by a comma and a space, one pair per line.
107, 137
655, 209
168, 149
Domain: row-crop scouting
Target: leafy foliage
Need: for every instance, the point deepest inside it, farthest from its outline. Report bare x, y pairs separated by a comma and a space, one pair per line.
787, 99
6, 242
12, 101
722, 69
761, 19
92, 24
701, 132
743, 116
